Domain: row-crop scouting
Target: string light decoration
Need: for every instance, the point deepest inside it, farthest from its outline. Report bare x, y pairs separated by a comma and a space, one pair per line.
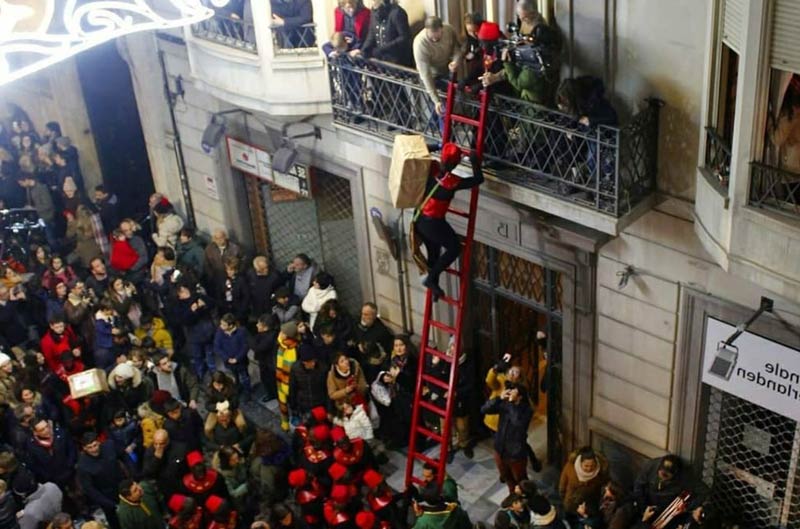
35, 34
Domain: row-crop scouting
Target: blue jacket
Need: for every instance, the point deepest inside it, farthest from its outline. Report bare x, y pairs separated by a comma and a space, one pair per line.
233, 345
198, 324
103, 339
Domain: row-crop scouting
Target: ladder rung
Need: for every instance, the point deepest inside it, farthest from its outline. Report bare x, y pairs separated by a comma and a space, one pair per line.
426, 459
458, 212
435, 409
438, 354
453, 272
417, 481
441, 326
429, 434
449, 300
465, 120
435, 381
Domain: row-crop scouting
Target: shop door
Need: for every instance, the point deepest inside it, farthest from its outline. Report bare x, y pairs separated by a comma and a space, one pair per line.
750, 463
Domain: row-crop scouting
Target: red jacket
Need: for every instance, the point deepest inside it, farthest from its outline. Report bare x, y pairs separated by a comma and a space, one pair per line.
436, 206
53, 345
361, 22
123, 256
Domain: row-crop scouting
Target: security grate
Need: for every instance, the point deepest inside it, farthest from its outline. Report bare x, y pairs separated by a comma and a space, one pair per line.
750, 463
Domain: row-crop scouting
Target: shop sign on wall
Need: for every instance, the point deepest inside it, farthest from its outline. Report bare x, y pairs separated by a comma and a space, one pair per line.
257, 162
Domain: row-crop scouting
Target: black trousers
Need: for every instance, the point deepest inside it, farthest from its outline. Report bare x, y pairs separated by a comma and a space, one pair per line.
437, 234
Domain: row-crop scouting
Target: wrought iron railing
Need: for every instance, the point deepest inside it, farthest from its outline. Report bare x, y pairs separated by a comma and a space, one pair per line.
718, 156
774, 188
609, 169
232, 32
301, 40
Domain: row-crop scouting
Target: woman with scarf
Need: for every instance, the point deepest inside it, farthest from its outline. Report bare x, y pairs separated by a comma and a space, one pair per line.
582, 478
346, 381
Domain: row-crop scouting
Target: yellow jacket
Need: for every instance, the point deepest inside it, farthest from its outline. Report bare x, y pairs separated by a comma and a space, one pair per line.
496, 382
159, 333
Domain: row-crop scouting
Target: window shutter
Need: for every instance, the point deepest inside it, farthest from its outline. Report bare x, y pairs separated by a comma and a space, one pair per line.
785, 53
733, 22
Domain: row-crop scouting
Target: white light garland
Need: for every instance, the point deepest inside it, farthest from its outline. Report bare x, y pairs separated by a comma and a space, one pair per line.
35, 35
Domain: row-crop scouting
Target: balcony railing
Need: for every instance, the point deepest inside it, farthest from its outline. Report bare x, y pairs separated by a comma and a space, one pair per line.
296, 41
774, 188
609, 169
718, 156
232, 32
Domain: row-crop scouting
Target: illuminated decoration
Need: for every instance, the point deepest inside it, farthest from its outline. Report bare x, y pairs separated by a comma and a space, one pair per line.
35, 34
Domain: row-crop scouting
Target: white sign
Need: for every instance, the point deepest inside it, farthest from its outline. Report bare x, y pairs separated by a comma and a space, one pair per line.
243, 156
211, 187
756, 369
258, 162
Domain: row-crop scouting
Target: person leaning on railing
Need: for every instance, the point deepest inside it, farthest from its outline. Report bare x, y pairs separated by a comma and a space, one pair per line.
290, 16
437, 53
351, 20
389, 36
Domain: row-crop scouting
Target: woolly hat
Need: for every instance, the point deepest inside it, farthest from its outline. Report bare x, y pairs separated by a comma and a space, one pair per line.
321, 432
24, 484
4, 359
306, 352
297, 478
214, 503
337, 471
337, 434
365, 520
319, 413
539, 505
194, 458
176, 502
124, 371
289, 329
159, 398
489, 31
372, 478
451, 154
340, 494
223, 406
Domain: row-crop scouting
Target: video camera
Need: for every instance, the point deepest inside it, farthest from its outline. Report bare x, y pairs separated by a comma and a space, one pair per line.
538, 51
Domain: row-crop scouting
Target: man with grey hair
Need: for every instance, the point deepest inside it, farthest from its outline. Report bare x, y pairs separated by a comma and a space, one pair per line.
436, 52
216, 253
528, 17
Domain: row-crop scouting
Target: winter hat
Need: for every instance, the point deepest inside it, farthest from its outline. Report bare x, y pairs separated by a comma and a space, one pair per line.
124, 371
319, 413
337, 434
337, 471
223, 406
24, 484
451, 154
539, 505
289, 329
365, 520
159, 398
194, 458
489, 31
214, 503
176, 502
321, 432
306, 352
340, 494
372, 478
4, 359
297, 478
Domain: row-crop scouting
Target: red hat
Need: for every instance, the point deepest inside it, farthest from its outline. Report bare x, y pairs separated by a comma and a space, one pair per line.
337, 471
160, 397
297, 478
489, 31
194, 458
319, 413
176, 502
365, 520
321, 432
451, 154
340, 494
213, 504
372, 478
338, 433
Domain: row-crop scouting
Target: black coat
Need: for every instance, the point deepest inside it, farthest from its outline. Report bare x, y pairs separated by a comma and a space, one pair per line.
239, 297
100, 476
188, 429
647, 490
294, 13
307, 387
11, 327
168, 470
389, 36
511, 441
261, 290
377, 333
265, 347
56, 464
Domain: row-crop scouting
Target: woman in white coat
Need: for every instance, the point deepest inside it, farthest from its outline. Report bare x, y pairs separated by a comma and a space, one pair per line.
321, 290
168, 224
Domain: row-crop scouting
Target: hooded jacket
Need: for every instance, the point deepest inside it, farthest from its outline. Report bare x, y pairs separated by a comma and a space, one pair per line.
169, 226
41, 506
191, 255
314, 299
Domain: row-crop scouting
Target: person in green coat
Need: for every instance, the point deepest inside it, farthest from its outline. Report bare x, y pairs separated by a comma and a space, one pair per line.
190, 252
433, 512
449, 485
138, 507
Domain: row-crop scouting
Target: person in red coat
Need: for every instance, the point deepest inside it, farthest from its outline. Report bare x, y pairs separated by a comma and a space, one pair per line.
221, 514
58, 339
337, 510
432, 227
380, 498
352, 19
123, 255
309, 495
353, 454
186, 513
202, 482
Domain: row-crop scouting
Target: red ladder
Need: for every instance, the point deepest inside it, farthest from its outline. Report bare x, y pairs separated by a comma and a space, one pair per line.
428, 323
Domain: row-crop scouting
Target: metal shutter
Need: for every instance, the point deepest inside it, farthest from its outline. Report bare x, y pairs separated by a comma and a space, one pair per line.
733, 22
786, 36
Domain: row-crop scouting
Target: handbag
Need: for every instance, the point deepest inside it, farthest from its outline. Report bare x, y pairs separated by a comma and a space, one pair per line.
380, 392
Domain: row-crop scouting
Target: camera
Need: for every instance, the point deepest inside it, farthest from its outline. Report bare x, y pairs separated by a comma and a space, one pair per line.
538, 51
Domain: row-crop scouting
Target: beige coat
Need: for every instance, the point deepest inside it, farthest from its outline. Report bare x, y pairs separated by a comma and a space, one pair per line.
572, 489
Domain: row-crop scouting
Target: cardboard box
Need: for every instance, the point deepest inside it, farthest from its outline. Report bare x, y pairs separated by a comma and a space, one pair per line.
88, 382
408, 173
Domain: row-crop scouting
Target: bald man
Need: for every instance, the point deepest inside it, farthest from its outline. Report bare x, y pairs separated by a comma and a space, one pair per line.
165, 462
220, 248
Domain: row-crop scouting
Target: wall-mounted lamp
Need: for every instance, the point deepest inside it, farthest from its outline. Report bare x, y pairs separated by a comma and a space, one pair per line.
284, 157
624, 276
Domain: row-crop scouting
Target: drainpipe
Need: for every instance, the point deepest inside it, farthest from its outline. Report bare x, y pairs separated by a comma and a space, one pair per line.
571, 39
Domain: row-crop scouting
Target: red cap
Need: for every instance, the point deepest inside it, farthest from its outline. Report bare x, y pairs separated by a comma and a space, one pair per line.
194, 458
164, 201
365, 520
319, 413
337, 471
160, 397
489, 31
372, 478
297, 478
451, 154
321, 432
340, 494
338, 433
176, 502
213, 504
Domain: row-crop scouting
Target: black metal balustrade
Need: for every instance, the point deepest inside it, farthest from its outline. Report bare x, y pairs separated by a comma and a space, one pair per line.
295, 41
718, 156
232, 32
609, 169
774, 188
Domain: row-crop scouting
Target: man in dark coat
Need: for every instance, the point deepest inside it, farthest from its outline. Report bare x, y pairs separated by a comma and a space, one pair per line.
183, 424
106, 204
307, 382
165, 463
371, 329
99, 474
511, 441
263, 283
389, 36
289, 16
50, 454
660, 482
264, 344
